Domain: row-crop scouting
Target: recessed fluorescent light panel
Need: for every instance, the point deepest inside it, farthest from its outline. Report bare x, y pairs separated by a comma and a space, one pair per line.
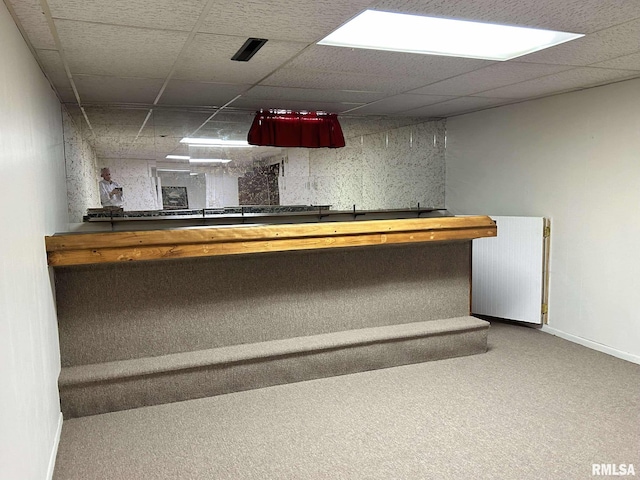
174, 170
215, 142
196, 160
399, 32
209, 160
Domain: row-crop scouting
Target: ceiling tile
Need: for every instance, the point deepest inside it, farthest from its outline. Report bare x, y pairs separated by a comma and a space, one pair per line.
54, 68
124, 132
456, 106
178, 124
597, 47
626, 62
255, 104
94, 49
234, 130
211, 129
208, 59
179, 149
312, 95
175, 118
34, 23
570, 80
66, 95
227, 124
117, 90
179, 92
305, 21
579, 16
112, 147
493, 76
159, 14
430, 68
296, 78
171, 125
121, 51
155, 144
355, 126
116, 116
152, 130
400, 103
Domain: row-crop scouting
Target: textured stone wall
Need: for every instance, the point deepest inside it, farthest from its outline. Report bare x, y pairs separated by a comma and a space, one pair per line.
81, 169
384, 165
403, 167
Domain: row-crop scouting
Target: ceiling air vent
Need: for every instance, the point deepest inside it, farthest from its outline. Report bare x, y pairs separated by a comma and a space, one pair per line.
249, 49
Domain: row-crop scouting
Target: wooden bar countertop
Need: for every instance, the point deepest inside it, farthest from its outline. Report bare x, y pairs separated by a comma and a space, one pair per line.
89, 248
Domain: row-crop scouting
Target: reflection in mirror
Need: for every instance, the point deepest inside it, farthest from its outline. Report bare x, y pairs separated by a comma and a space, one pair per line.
387, 163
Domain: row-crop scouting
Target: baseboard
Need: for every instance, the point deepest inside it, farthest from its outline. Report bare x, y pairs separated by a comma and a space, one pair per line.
54, 450
593, 345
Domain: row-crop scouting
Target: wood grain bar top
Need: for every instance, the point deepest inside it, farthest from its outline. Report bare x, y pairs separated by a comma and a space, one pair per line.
89, 248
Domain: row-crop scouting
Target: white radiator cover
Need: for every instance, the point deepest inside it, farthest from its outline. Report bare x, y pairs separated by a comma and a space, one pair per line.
508, 270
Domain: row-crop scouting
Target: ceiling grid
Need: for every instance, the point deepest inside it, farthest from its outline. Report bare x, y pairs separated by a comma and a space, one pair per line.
127, 64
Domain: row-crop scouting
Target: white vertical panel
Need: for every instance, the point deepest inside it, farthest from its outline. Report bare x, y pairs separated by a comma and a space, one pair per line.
508, 270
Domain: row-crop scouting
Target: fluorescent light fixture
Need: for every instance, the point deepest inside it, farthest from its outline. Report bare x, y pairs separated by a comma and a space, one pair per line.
399, 32
214, 142
220, 146
178, 157
176, 170
209, 160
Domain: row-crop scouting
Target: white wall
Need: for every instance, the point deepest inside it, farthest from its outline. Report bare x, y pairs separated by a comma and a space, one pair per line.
35, 205
221, 187
137, 183
574, 158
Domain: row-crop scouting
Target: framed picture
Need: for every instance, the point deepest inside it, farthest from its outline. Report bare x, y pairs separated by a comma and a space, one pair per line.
174, 198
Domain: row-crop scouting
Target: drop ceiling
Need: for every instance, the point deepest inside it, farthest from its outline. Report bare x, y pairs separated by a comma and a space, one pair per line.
138, 75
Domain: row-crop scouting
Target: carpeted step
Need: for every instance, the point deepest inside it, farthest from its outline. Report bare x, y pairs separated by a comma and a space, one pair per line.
120, 385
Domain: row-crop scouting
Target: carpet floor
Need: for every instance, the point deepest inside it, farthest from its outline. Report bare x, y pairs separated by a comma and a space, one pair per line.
533, 407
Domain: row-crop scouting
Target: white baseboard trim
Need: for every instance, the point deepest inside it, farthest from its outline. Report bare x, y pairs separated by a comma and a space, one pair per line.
54, 450
593, 345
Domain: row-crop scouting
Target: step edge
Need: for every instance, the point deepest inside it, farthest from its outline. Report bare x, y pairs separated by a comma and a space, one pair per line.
122, 369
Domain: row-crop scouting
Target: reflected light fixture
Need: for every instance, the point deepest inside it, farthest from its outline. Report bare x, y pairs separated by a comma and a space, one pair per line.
214, 142
196, 160
175, 170
209, 160
400, 32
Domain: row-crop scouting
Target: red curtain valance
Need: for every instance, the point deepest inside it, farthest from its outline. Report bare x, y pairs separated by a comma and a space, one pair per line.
296, 129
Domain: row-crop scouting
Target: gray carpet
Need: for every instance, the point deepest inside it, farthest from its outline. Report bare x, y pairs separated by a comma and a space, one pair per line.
171, 306
533, 407
110, 387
